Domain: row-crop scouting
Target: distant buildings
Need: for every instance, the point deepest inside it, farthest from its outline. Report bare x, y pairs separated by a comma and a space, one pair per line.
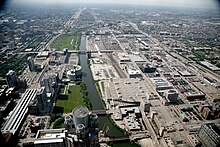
210, 66
209, 135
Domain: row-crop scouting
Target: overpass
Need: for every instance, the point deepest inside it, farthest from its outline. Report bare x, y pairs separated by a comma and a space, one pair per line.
139, 135
113, 139
133, 137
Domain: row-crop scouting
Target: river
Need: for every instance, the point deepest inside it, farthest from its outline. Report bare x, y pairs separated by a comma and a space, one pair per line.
87, 78
95, 100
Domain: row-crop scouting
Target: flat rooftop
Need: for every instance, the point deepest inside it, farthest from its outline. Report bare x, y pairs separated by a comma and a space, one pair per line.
161, 83
50, 133
123, 57
13, 122
165, 118
210, 66
120, 91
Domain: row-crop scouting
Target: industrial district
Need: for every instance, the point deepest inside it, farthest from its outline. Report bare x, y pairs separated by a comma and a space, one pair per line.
100, 76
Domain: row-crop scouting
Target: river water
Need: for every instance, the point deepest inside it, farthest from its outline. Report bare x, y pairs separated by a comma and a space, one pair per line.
87, 78
95, 100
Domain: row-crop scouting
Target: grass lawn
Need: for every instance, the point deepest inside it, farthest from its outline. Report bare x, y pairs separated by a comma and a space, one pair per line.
70, 41
66, 103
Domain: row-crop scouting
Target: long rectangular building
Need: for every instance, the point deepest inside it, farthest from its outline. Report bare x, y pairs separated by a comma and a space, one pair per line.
19, 112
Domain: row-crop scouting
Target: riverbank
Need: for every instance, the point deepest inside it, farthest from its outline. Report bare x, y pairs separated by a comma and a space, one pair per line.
104, 122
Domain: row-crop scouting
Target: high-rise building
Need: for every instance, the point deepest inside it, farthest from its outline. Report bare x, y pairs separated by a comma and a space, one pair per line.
83, 124
30, 62
41, 97
47, 82
80, 130
209, 135
11, 79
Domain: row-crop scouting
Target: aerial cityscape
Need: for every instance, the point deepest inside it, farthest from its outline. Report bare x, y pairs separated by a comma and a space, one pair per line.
110, 74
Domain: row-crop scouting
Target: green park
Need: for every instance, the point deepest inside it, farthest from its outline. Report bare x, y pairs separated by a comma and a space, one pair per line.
68, 40
69, 98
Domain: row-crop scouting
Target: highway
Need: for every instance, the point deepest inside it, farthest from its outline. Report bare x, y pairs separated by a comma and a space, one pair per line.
70, 22
66, 25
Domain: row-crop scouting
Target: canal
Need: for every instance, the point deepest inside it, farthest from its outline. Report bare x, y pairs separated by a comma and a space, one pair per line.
96, 102
93, 95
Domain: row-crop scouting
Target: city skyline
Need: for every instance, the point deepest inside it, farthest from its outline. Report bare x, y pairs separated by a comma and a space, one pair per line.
208, 4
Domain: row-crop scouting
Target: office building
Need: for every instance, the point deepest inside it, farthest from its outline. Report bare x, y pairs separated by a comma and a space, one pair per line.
171, 96
147, 68
30, 62
41, 97
83, 124
81, 116
11, 79
47, 82
74, 73
209, 135
123, 58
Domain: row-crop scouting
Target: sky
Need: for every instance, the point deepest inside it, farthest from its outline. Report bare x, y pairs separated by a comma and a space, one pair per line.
178, 3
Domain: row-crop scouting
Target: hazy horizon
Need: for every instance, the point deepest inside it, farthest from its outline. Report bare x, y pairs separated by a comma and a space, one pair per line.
207, 4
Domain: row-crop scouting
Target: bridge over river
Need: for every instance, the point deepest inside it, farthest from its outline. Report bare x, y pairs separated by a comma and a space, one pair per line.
76, 51
133, 137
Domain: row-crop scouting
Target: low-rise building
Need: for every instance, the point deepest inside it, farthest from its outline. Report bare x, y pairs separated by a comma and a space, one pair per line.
52, 137
161, 83
123, 58
147, 68
194, 95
